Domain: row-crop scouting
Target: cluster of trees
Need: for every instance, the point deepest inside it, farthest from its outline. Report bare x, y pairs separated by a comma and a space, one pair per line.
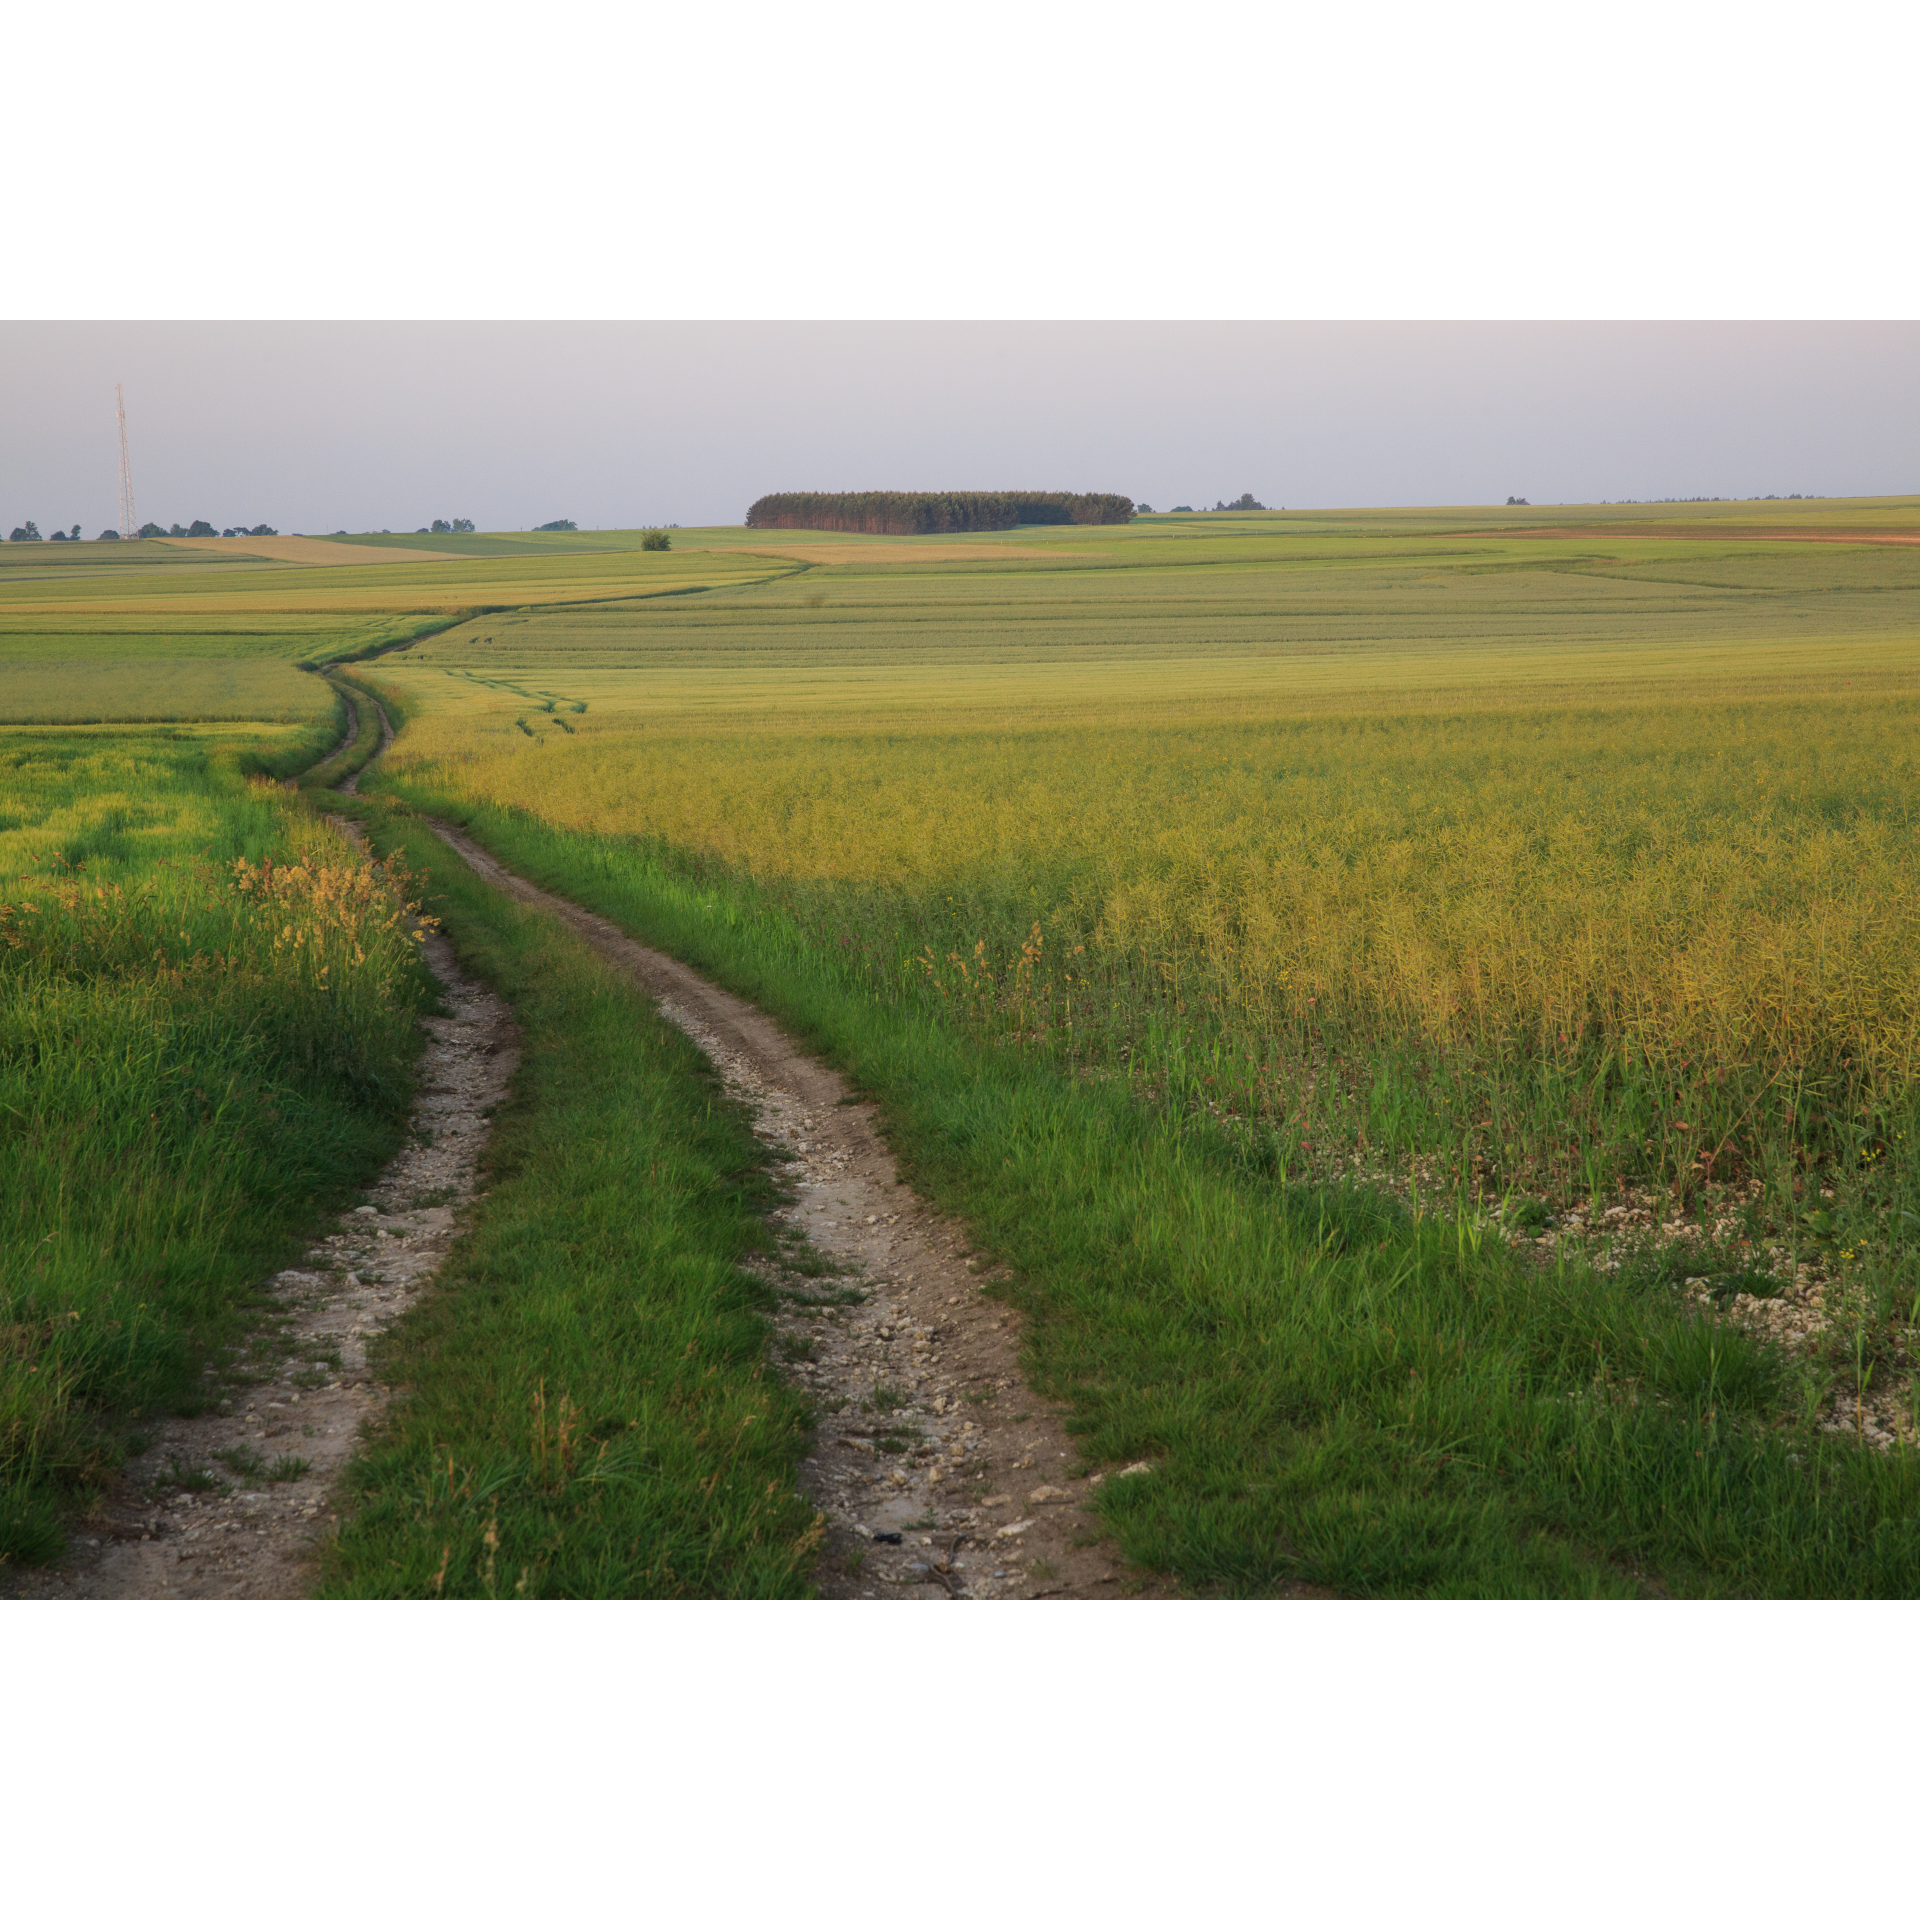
31, 532
558, 526
654, 540
1245, 504
447, 526
937, 512
1518, 500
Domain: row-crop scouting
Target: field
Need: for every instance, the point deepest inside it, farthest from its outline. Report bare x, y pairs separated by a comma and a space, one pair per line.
1355, 968
1571, 869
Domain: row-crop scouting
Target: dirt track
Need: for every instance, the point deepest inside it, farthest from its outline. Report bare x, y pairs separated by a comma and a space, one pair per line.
981, 1499
939, 1473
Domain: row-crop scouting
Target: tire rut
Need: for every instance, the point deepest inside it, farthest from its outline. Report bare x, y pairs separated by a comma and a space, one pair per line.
939, 1472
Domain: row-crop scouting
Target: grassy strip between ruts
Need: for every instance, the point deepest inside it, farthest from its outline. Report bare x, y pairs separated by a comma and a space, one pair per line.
586, 1409
350, 756
1330, 1388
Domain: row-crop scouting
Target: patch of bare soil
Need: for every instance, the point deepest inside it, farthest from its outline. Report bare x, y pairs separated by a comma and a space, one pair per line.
309, 553
234, 1504
1808, 1302
939, 1473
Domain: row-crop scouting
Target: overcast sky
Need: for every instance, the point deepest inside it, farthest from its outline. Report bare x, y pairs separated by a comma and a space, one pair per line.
315, 426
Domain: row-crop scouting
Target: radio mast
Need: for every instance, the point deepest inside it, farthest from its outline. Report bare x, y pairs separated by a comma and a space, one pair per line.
127, 522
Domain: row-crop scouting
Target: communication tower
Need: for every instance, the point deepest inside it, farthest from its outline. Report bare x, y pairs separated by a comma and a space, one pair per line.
127, 522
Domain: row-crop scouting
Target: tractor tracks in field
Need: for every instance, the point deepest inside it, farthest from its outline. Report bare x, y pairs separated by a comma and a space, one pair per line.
347, 743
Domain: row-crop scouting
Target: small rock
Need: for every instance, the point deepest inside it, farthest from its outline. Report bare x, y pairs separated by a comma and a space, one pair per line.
1139, 1466
1042, 1494
1012, 1529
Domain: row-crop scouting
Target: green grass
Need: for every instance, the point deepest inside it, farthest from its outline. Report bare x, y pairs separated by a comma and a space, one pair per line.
1331, 1388
348, 759
123, 801
184, 1094
587, 1408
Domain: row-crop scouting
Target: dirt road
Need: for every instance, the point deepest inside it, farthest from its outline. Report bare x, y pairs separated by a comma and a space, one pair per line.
939, 1472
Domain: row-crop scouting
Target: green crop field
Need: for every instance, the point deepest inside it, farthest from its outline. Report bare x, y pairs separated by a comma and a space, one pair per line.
1534, 894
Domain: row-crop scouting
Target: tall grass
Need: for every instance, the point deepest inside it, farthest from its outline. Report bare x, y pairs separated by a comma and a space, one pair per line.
1566, 946
194, 1056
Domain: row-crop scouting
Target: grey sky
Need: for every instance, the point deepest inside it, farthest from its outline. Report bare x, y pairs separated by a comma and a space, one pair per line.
313, 426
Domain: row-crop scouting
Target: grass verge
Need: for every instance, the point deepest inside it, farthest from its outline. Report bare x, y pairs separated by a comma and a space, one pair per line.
201, 1054
1330, 1388
587, 1412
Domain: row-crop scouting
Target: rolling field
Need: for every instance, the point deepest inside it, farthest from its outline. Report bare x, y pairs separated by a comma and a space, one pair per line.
1355, 968
1618, 844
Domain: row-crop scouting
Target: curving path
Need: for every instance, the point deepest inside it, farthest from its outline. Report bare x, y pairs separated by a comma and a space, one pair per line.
981, 1499
939, 1473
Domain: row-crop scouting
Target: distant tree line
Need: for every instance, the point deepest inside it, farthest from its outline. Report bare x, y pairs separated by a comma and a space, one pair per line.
200, 530
558, 526
937, 512
447, 526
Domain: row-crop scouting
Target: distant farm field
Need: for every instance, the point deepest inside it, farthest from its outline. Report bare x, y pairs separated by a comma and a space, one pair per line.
90, 691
